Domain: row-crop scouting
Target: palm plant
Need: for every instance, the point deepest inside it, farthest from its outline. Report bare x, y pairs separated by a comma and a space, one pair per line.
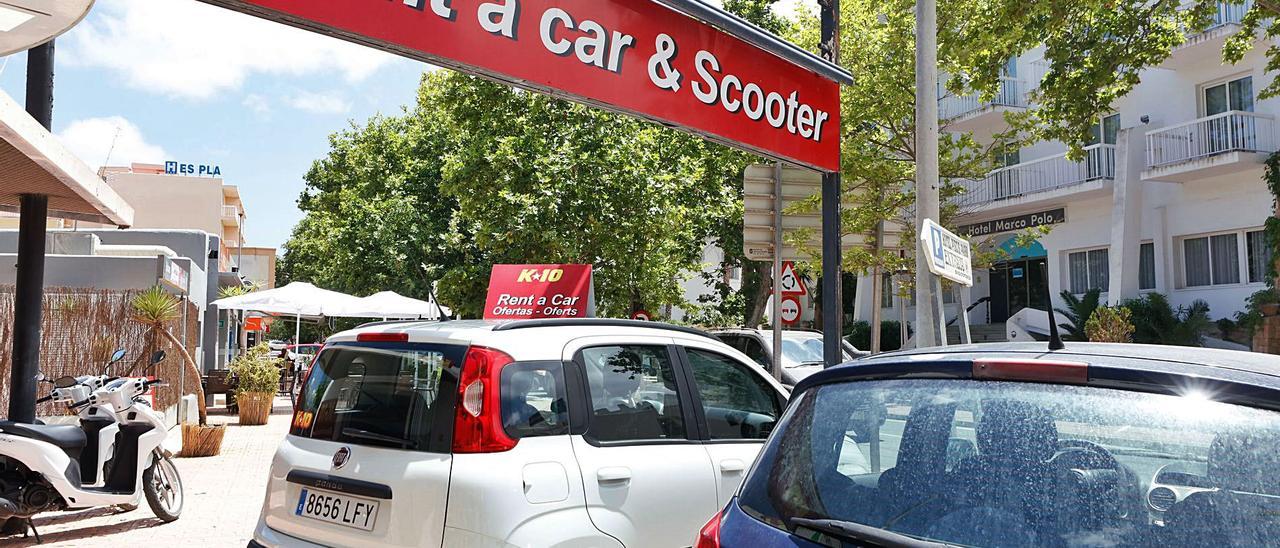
1078, 310
156, 309
1157, 321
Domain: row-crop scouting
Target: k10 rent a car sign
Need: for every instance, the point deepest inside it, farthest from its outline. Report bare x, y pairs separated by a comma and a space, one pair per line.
528, 291
634, 56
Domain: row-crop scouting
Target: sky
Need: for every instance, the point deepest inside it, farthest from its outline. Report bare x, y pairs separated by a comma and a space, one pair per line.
156, 80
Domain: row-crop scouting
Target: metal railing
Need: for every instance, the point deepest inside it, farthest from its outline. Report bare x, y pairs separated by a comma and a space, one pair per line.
1012, 93
1203, 137
1039, 176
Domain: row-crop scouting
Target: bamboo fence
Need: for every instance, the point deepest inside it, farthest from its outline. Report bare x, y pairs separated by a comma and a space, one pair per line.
81, 327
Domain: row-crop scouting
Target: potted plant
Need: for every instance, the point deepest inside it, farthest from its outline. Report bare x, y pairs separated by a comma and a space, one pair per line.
156, 309
257, 379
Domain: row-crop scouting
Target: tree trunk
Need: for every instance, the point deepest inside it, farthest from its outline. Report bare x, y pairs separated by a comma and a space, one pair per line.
195, 372
764, 290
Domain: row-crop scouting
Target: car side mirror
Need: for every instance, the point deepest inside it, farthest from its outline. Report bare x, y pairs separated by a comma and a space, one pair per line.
64, 382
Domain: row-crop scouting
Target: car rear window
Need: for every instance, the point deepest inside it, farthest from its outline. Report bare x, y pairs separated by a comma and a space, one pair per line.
384, 395
1014, 464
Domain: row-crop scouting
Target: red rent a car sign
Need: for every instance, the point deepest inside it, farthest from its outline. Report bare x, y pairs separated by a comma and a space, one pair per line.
527, 291
634, 56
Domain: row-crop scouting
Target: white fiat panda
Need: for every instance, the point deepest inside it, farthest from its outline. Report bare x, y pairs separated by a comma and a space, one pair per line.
573, 433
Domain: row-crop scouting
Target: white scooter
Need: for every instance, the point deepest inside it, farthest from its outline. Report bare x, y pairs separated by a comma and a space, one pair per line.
114, 458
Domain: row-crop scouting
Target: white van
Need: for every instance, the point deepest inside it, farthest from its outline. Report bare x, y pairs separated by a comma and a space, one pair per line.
585, 432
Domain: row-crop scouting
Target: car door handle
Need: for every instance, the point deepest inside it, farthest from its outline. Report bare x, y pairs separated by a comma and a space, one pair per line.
732, 466
613, 474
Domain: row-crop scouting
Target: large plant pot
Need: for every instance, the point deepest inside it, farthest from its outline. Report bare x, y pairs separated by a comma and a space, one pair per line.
255, 407
201, 441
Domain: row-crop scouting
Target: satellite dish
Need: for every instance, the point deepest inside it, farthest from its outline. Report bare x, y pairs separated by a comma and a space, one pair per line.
25, 24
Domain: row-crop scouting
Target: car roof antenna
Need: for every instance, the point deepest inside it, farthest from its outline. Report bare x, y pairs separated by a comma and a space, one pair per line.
1055, 337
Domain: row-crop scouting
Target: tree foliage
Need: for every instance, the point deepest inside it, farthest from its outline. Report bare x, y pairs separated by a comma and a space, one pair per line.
478, 173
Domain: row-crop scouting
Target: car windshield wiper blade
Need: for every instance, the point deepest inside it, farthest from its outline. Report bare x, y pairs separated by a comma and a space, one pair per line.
365, 434
806, 364
864, 534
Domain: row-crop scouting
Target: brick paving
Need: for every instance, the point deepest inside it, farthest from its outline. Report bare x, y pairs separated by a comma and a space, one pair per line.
223, 497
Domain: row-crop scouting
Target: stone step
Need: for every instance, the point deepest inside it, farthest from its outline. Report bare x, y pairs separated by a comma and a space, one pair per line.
981, 333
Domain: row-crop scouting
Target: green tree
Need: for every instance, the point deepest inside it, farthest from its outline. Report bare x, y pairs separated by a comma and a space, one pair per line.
1157, 321
375, 216
543, 180
1078, 311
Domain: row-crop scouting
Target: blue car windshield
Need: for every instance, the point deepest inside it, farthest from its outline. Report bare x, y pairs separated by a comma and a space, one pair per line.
978, 463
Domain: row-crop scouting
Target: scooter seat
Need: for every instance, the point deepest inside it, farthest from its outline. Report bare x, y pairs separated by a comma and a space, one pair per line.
67, 437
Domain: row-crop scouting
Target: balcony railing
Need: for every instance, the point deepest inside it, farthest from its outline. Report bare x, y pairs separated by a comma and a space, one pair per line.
230, 211
1039, 176
1227, 132
1012, 93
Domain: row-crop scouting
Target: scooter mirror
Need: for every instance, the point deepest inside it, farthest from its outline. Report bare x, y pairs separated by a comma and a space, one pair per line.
117, 356
40, 377
157, 357
64, 382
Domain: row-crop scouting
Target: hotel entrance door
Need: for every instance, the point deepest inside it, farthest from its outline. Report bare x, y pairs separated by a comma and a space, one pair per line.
1016, 285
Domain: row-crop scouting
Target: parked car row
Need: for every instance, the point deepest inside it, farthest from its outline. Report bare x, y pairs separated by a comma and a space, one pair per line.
634, 434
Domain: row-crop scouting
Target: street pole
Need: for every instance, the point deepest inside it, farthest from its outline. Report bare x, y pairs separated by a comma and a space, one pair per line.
832, 301
29, 280
927, 205
877, 292
776, 322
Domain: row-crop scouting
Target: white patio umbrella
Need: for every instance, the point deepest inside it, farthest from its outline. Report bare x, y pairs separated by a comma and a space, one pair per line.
389, 304
297, 299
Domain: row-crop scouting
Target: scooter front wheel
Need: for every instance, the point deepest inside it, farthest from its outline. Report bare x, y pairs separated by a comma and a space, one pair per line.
163, 488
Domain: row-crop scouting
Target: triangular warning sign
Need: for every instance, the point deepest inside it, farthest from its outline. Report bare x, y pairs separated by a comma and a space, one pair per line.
790, 282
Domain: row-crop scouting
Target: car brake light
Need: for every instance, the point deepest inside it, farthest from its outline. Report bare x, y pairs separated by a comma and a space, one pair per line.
382, 337
477, 425
709, 535
1004, 369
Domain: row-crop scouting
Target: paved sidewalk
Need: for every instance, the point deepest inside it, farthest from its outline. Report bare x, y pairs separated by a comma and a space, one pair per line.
224, 495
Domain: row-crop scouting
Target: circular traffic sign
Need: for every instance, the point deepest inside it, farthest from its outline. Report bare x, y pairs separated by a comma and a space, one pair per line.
642, 315
790, 310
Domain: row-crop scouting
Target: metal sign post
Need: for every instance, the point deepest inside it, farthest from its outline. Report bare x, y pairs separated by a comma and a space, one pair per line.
776, 323
962, 297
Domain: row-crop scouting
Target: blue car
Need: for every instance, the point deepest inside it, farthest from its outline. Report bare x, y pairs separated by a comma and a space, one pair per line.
1013, 445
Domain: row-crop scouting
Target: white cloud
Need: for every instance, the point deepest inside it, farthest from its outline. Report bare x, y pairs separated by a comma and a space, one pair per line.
92, 139
193, 50
256, 103
319, 103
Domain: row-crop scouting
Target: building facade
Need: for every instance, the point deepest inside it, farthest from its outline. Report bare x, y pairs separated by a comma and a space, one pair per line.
1168, 198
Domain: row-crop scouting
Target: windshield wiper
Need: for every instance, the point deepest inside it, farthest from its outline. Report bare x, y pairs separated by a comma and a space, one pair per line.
365, 434
864, 534
806, 364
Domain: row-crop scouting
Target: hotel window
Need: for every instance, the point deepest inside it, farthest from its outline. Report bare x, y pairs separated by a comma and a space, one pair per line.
1105, 131
1212, 260
1147, 266
888, 291
1227, 96
1088, 270
1259, 255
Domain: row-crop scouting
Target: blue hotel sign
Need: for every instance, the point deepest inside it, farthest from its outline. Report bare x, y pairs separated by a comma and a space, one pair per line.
202, 170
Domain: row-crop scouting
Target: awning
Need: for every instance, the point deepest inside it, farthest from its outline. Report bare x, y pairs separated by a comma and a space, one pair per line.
389, 304
296, 299
32, 161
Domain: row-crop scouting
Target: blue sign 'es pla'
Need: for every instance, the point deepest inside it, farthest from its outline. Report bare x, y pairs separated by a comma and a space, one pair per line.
201, 170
